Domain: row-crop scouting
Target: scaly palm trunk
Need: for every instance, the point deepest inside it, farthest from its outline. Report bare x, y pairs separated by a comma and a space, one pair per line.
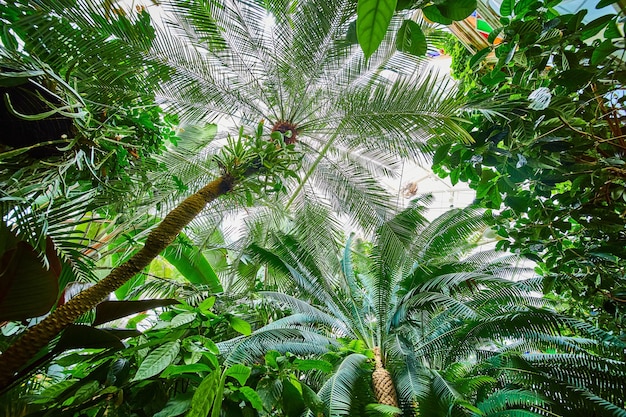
382, 382
18, 354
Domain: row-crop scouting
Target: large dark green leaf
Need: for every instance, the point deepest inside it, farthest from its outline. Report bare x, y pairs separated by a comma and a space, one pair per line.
27, 288
78, 336
433, 14
457, 9
411, 39
373, 18
111, 310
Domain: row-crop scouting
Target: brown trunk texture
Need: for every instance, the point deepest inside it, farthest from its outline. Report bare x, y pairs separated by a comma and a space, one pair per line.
382, 382
38, 336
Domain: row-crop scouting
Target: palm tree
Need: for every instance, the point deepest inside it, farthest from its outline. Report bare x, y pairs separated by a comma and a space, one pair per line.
236, 61
422, 304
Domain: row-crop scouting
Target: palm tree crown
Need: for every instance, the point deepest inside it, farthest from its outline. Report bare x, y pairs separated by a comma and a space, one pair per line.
236, 62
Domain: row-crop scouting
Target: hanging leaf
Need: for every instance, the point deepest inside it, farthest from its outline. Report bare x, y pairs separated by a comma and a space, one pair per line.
506, 8
604, 3
457, 9
433, 14
240, 325
27, 288
373, 18
478, 56
240, 372
157, 360
411, 39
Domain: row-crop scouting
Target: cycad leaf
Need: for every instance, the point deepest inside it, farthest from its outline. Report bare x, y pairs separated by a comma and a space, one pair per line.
373, 18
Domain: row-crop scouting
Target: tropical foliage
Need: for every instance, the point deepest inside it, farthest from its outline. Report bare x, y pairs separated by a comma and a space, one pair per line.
200, 160
550, 158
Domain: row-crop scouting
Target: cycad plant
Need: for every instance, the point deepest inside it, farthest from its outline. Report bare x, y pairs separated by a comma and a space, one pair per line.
422, 303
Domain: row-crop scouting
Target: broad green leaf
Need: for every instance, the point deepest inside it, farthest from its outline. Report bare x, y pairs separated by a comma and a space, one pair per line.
373, 18
204, 396
240, 325
457, 9
239, 372
411, 39
605, 49
433, 14
193, 265
206, 305
506, 8
157, 360
193, 368
252, 397
311, 364
182, 319
595, 26
522, 6
174, 407
612, 32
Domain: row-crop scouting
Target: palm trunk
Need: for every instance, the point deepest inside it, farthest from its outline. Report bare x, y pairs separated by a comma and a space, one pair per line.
35, 338
382, 382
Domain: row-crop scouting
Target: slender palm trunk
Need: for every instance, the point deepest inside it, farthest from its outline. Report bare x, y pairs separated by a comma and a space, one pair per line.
382, 382
35, 338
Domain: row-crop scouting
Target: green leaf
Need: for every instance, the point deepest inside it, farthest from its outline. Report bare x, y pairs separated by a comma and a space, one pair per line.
311, 364
522, 6
478, 56
493, 78
157, 360
457, 9
174, 407
605, 49
612, 32
433, 14
506, 8
205, 395
604, 3
193, 368
595, 26
411, 39
206, 305
27, 288
77, 336
193, 265
240, 325
253, 398
373, 18
111, 310
182, 319
240, 372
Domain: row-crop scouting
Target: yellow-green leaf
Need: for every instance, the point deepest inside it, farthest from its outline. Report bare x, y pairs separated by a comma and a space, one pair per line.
373, 18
